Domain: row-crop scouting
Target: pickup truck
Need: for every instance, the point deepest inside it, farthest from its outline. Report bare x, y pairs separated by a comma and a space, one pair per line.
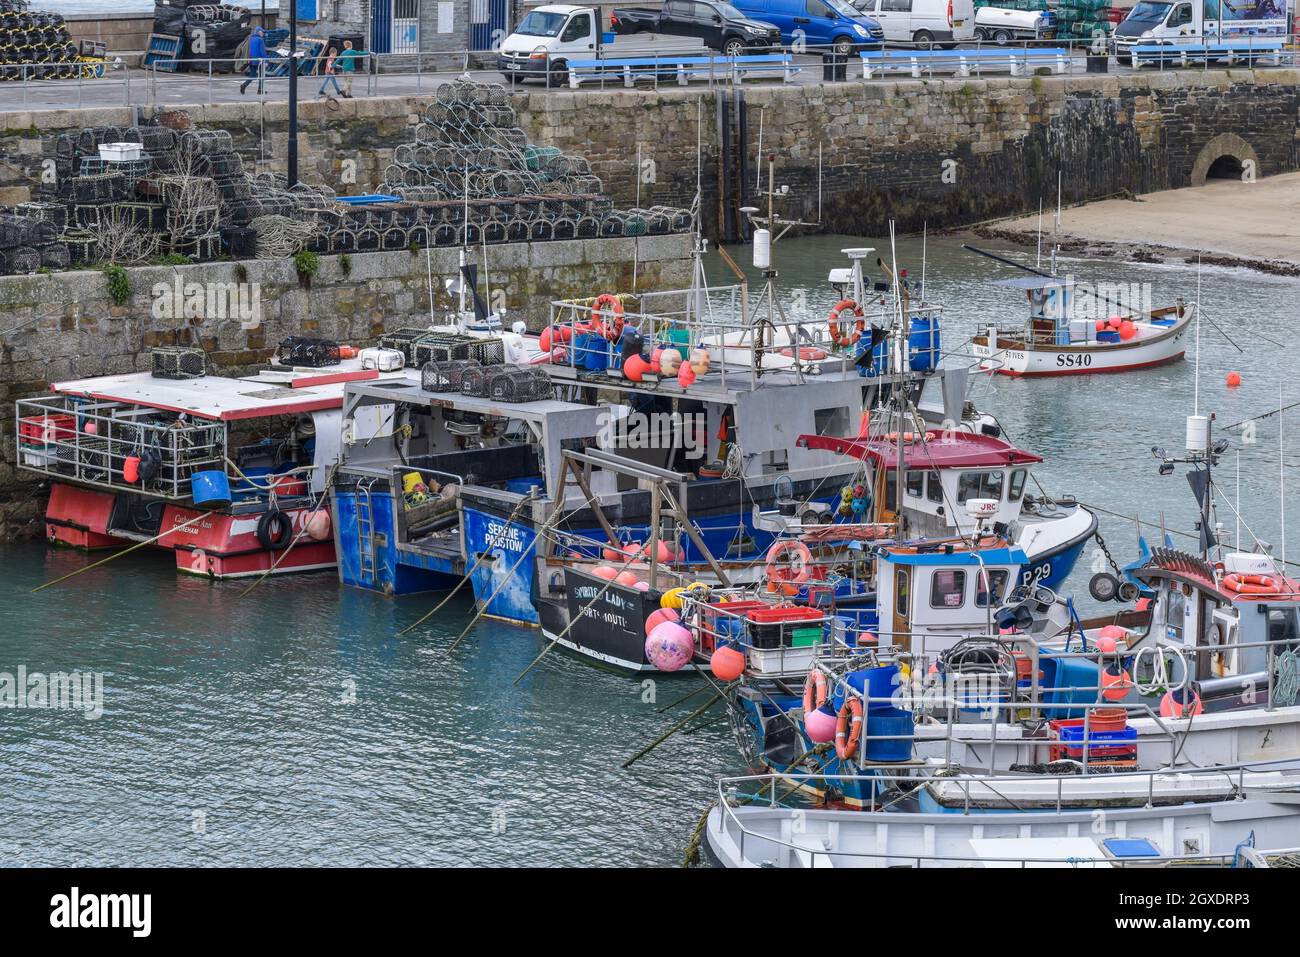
1003, 26
718, 24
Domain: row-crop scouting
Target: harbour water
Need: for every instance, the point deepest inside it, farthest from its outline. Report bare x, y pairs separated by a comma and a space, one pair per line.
292, 726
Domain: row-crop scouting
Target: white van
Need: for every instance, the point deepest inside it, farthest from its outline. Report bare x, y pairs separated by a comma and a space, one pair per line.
942, 22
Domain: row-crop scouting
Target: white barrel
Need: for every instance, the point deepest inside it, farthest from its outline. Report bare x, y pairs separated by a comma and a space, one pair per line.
762, 249
1198, 433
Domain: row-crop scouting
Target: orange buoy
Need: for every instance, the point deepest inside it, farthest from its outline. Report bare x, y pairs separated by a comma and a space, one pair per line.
607, 572
626, 578
1233, 379
636, 367
727, 663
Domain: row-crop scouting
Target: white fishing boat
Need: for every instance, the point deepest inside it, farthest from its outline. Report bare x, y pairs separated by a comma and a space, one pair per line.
1056, 341
1242, 816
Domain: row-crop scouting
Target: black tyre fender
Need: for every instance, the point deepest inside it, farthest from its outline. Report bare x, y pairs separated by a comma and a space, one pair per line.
274, 530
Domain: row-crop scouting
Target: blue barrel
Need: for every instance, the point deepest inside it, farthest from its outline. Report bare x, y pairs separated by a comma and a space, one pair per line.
923, 343
896, 724
879, 683
591, 351
879, 356
210, 489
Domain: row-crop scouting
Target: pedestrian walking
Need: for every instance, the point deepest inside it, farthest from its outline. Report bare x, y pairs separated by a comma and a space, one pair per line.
256, 61
348, 61
329, 73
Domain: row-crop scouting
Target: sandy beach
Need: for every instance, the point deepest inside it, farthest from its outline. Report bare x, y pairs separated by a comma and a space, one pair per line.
1228, 222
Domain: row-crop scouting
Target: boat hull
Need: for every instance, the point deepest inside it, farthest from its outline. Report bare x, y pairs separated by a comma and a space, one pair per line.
1013, 356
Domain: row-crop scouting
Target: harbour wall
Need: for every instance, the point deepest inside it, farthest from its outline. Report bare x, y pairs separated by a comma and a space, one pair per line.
66, 325
944, 152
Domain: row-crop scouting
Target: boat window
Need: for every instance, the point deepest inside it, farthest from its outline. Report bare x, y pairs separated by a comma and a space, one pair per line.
948, 588
979, 485
915, 481
1017, 485
831, 421
902, 593
934, 488
1282, 625
997, 587
991, 486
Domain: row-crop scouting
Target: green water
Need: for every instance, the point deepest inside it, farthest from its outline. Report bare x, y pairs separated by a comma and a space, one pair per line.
292, 726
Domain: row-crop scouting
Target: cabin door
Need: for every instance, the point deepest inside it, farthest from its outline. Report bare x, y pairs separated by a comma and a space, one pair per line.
902, 625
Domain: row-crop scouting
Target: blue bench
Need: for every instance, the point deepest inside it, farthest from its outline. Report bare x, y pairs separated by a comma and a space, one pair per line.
918, 62
1259, 48
682, 69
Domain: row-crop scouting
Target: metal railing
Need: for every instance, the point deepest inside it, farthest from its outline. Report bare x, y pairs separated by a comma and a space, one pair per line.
160, 82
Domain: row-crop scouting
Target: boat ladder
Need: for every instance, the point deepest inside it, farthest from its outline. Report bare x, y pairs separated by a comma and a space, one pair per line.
365, 533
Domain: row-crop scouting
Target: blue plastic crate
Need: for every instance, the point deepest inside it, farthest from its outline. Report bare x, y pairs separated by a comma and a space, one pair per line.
1074, 735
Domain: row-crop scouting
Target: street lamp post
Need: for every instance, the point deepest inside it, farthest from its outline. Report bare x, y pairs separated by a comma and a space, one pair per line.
292, 173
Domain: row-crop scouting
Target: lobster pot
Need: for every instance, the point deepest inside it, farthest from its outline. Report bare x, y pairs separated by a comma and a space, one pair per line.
201, 248
20, 261
151, 217
439, 347
178, 362
404, 340
88, 458
508, 384
476, 381
308, 353
446, 376
56, 214
55, 256
82, 247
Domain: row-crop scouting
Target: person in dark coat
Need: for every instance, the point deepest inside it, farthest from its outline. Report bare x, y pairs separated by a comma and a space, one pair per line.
256, 61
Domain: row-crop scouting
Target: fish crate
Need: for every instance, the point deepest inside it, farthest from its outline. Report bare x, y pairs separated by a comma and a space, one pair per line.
179, 362
441, 346
307, 353
771, 628
1106, 747
446, 376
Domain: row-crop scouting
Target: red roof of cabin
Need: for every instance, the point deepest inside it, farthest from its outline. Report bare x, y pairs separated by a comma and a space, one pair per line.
937, 450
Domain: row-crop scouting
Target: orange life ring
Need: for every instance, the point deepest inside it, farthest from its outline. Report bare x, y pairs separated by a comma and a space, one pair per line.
797, 571
848, 737
833, 320
610, 330
814, 686
1252, 584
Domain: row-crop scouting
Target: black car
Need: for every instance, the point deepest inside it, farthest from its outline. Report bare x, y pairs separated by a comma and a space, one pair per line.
718, 24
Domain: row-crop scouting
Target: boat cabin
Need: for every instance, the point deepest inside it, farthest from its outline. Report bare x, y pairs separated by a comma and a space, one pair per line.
1235, 627
932, 595
944, 473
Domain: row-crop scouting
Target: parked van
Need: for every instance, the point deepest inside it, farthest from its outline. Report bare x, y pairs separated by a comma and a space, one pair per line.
942, 22
818, 23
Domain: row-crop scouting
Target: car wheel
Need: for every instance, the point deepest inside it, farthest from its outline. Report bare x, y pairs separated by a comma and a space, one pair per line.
923, 38
557, 75
842, 46
980, 34
1002, 37
732, 48
511, 78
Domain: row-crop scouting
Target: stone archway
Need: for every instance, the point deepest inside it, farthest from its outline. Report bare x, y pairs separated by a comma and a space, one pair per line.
1223, 157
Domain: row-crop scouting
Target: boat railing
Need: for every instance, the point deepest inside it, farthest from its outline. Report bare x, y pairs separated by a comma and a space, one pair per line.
748, 790
688, 318
90, 440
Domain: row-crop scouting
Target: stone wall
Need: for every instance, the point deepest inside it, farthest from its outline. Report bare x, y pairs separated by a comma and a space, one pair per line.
945, 152
64, 325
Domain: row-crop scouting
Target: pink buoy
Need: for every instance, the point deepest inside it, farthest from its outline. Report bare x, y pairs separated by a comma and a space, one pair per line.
658, 617
1106, 645
626, 578
318, 525
727, 663
607, 572
670, 646
642, 586
820, 725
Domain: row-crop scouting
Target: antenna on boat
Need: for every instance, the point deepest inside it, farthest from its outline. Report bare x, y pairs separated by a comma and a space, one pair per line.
1038, 256
924, 226
1281, 469
1196, 369
1056, 230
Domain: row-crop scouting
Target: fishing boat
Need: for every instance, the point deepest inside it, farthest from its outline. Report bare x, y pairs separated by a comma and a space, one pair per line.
228, 474
1059, 337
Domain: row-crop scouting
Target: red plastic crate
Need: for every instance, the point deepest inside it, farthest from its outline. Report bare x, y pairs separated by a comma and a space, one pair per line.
770, 616
42, 429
